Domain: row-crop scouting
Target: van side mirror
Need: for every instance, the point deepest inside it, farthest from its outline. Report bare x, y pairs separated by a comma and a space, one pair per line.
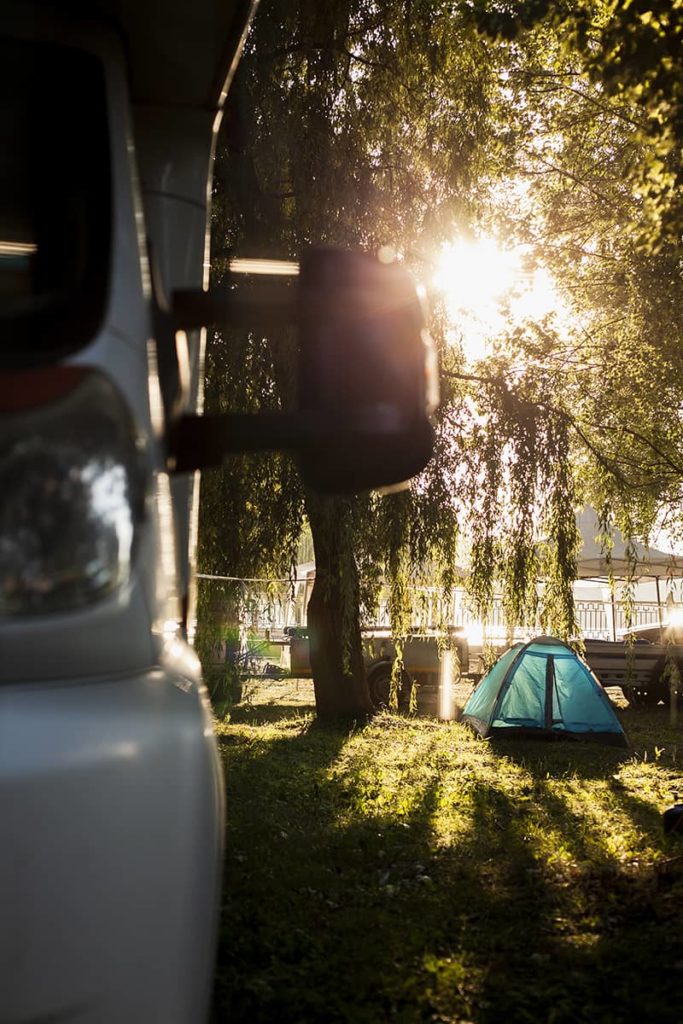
367, 374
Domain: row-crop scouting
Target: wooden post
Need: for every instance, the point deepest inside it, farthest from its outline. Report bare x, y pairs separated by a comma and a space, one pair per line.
673, 686
659, 611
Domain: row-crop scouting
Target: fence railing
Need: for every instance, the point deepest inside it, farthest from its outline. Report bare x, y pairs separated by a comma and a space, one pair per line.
597, 619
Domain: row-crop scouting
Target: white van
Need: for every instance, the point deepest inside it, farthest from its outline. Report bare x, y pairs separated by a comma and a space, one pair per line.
111, 798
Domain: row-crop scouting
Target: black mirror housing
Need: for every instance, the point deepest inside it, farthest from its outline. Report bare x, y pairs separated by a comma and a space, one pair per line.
367, 374
367, 365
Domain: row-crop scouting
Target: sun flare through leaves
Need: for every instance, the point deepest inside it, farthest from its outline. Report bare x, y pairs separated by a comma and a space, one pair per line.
488, 289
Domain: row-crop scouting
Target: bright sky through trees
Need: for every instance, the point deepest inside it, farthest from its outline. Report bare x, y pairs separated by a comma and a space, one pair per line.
489, 289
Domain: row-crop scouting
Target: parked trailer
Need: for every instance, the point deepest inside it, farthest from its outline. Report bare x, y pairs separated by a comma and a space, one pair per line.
425, 662
641, 670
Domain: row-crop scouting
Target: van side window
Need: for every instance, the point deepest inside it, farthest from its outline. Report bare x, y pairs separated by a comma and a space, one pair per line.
55, 201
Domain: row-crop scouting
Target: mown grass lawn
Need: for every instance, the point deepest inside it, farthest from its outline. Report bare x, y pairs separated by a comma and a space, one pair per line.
406, 871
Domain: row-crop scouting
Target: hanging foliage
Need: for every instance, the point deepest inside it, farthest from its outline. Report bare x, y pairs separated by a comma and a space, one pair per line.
360, 123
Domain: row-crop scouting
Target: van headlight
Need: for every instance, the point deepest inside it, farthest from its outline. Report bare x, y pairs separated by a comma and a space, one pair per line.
72, 490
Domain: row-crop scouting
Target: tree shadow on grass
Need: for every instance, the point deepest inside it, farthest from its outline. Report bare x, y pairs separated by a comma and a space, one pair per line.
585, 762
257, 714
615, 944
336, 910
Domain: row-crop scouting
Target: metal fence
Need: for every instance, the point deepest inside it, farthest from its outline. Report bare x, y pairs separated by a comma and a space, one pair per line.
269, 609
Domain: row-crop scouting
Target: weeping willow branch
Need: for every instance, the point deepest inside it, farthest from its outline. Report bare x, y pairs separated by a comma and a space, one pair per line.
609, 465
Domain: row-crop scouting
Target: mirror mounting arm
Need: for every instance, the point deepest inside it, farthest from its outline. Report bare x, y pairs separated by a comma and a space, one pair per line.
248, 306
203, 442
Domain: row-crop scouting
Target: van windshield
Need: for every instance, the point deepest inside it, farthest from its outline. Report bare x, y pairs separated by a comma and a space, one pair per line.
55, 207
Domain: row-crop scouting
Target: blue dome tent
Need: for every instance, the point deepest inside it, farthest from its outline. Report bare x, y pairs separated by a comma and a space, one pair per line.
542, 688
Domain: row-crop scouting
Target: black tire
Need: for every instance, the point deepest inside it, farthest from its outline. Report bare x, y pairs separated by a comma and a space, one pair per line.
639, 697
658, 685
379, 684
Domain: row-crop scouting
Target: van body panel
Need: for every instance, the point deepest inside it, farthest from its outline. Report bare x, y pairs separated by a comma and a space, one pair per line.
111, 790
110, 841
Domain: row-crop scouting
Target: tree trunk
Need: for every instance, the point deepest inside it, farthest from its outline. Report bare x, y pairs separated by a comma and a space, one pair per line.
341, 689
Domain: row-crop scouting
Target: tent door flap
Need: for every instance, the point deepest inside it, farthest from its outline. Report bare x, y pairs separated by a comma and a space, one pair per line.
549, 686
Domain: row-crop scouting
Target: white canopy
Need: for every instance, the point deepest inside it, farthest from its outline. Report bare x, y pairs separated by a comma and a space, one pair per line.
593, 561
